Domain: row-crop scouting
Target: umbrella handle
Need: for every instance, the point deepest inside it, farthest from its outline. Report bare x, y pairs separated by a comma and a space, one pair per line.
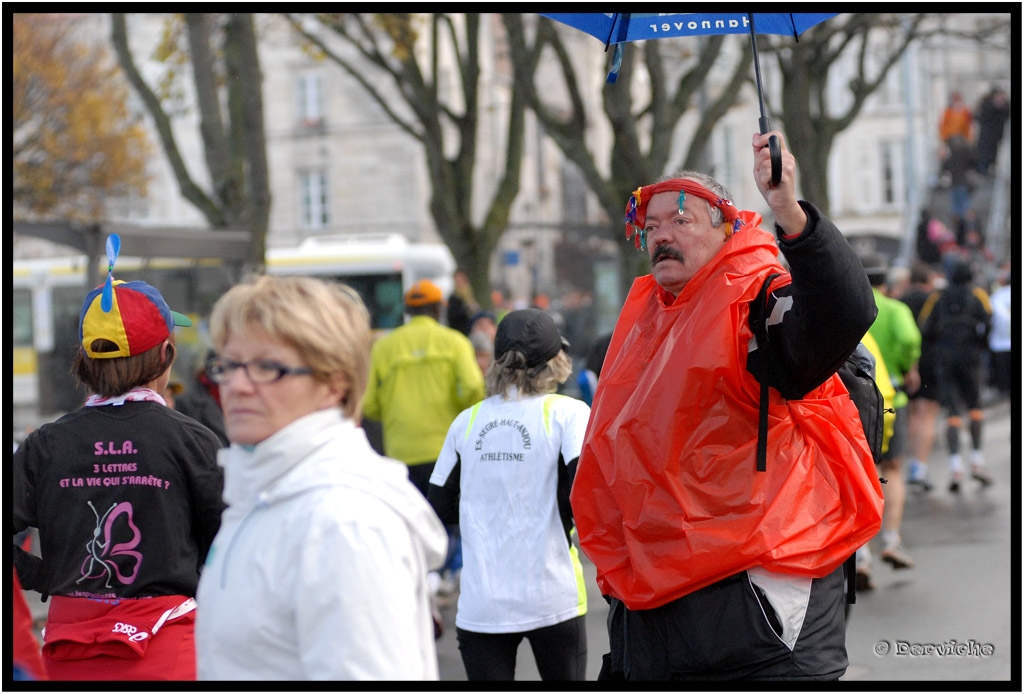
774, 149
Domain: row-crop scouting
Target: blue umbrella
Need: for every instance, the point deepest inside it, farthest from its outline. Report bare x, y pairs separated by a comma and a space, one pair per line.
618, 29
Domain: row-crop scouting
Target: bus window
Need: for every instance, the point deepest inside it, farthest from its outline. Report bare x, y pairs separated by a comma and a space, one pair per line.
25, 364
22, 314
389, 301
382, 295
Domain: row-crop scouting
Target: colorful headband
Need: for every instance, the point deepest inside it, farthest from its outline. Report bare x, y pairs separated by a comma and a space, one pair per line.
636, 208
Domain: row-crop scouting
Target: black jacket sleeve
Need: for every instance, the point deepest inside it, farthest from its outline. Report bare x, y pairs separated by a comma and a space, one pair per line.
30, 570
832, 306
205, 478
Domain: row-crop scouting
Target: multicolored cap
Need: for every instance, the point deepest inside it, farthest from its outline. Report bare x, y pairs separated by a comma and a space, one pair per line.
132, 315
636, 207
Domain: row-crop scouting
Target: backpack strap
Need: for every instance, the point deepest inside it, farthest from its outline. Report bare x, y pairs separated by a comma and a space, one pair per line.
760, 328
851, 579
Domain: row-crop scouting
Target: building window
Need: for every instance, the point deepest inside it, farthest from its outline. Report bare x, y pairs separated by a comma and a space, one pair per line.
310, 100
315, 200
725, 169
891, 176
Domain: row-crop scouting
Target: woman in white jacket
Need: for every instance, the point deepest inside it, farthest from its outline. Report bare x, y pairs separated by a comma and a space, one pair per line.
319, 570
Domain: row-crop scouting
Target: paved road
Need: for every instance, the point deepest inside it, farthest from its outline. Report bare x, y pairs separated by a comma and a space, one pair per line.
959, 591
962, 589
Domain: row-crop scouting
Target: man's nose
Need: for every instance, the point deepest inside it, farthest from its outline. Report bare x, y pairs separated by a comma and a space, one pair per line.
656, 235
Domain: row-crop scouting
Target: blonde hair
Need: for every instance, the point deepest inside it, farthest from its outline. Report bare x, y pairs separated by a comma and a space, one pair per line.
324, 321
511, 370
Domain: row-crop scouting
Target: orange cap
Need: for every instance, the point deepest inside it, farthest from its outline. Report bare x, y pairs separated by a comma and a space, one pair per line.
423, 293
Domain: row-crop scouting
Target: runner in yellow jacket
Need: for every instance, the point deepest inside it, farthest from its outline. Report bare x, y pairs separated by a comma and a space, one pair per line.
422, 375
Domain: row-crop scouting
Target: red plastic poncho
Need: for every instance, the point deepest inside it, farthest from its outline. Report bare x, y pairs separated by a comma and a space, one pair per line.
667, 498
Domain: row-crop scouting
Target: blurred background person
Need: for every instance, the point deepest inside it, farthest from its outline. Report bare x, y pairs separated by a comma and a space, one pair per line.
28, 659
500, 303
923, 401
504, 475
201, 401
483, 347
875, 366
462, 304
960, 163
958, 318
927, 245
957, 119
1000, 338
591, 371
899, 341
993, 112
174, 388
319, 571
485, 322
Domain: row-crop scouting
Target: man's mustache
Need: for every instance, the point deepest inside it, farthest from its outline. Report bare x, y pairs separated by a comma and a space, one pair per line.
665, 251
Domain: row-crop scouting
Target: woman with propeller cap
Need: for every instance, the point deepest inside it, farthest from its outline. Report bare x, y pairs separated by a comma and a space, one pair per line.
126, 494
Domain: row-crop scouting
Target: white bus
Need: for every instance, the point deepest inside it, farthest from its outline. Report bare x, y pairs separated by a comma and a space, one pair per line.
380, 267
48, 293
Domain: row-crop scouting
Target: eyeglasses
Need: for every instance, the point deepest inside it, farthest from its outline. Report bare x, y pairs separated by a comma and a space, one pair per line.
259, 372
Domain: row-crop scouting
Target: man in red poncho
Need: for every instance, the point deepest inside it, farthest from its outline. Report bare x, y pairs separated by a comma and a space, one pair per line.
713, 568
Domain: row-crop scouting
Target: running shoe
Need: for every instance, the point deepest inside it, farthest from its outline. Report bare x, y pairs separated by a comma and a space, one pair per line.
979, 473
954, 482
897, 557
864, 581
922, 484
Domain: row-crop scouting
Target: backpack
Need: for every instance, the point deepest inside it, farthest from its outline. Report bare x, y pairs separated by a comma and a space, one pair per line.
855, 375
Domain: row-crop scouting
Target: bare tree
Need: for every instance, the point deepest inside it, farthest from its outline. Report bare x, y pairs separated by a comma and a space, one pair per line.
445, 121
634, 121
877, 41
804, 110
229, 96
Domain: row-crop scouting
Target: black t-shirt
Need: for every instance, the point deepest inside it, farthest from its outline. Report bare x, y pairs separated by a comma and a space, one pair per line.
127, 499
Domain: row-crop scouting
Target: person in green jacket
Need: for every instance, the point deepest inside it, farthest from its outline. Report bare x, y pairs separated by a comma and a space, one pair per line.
899, 341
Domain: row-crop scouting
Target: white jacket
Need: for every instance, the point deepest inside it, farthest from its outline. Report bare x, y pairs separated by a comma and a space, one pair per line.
319, 569
1000, 337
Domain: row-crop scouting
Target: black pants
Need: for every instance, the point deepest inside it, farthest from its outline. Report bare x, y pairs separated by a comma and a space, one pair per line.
729, 631
560, 651
419, 475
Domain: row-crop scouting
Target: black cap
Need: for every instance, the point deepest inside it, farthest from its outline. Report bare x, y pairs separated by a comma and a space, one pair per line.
532, 332
875, 267
960, 272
